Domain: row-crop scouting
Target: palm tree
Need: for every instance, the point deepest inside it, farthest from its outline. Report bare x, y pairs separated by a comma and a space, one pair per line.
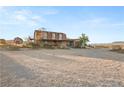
83, 40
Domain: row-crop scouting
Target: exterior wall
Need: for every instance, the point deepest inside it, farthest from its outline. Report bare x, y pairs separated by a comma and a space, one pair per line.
57, 36
73, 43
64, 37
49, 35
50, 38
76, 43
44, 35
38, 35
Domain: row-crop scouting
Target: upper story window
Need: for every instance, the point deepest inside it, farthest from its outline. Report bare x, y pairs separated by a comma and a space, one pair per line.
53, 36
60, 36
45, 36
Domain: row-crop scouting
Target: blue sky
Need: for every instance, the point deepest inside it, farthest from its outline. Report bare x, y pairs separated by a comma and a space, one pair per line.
102, 24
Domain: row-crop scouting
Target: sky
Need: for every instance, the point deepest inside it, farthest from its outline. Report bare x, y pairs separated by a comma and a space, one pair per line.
102, 24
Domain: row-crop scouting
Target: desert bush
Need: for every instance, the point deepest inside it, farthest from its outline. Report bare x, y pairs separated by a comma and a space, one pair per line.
2, 41
42, 45
116, 47
10, 48
47, 46
32, 45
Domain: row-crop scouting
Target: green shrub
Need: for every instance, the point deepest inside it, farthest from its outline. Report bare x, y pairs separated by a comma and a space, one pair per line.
33, 46
42, 45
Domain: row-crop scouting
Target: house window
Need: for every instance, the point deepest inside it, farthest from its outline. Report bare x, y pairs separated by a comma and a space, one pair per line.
45, 36
60, 36
53, 35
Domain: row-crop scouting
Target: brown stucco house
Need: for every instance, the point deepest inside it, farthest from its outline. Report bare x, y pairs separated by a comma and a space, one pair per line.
48, 38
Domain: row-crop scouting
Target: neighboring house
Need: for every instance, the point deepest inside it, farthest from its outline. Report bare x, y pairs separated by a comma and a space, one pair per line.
2, 41
54, 39
18, 40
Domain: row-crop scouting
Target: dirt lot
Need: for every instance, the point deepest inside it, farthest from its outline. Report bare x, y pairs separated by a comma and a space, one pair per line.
61, 68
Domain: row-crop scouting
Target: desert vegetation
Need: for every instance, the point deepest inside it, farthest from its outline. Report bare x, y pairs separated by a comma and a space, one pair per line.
83, 40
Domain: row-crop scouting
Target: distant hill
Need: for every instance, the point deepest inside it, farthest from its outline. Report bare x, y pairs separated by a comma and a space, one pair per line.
118, 42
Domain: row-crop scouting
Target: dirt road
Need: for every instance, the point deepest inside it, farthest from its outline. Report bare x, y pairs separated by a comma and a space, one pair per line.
62, 68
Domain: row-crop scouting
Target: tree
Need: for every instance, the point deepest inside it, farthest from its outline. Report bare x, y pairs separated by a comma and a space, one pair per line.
83, 40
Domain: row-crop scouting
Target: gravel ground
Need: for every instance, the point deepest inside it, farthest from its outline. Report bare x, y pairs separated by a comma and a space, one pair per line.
61, 68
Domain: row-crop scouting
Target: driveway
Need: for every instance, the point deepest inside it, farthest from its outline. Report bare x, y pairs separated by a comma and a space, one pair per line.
61, 68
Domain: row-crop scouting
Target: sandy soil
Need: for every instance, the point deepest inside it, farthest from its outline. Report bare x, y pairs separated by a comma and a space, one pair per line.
61, 68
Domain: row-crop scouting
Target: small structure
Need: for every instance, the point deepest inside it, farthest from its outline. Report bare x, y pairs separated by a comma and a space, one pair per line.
18, 40
50, 39
2, 41
74, 43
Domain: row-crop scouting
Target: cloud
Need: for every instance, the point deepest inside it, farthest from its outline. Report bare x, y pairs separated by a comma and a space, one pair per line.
36, 18
50, 12
2, 8
118, 24
20, 18
29, 16
95, 22
41, 11
27, 20
100, 23
23, 12
45, 11
11, 16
